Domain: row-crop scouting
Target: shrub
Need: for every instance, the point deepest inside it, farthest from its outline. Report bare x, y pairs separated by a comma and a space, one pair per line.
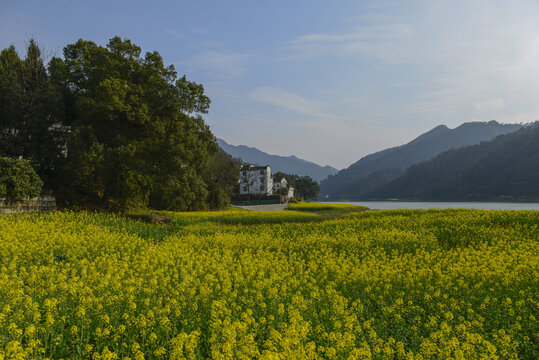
18, 180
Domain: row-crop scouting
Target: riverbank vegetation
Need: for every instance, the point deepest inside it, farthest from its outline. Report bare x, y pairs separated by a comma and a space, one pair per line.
399, 284
305, 188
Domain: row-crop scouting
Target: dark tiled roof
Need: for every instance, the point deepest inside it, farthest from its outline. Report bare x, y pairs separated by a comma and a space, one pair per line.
252, 167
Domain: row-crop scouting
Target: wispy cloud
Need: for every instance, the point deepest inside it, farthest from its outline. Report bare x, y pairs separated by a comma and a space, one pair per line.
480, 88
219, 63
293, 102
213, 58
381, 4
489, 105
382, 74
383, 41
375, 32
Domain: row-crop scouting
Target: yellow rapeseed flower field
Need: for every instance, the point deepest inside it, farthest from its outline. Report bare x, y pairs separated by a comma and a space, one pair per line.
406, 284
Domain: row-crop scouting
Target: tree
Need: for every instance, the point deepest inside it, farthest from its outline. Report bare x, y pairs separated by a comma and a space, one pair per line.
31, 110
221, 178
304, 186
137, 135
18, 180
110, 127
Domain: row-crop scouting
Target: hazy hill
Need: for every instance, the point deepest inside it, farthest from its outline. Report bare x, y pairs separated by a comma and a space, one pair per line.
288, 165
504, 169
380, 168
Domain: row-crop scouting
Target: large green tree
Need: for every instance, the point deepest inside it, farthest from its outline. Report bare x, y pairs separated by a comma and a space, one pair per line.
137, 135
107, 126
31, 112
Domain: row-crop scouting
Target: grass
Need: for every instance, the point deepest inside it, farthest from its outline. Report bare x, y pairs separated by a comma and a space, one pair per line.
327, 210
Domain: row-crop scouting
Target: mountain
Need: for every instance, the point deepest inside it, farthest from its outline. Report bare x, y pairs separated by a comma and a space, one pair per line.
288, 165
375, 170
503, 169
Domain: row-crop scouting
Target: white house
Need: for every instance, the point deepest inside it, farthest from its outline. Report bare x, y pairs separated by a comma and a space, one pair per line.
283, 184
256, 180
278, 185
290, 193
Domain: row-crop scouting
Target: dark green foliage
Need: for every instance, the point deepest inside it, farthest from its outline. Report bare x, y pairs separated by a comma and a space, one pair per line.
363, 185
378, 169
504, 169
304, 187
31, 112
221, 177
109, 127
18, 180
137, 133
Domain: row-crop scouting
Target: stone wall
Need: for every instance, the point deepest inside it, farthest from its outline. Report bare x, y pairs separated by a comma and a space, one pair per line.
45, 203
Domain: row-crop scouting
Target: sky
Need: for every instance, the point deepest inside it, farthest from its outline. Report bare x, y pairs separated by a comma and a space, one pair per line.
327, 81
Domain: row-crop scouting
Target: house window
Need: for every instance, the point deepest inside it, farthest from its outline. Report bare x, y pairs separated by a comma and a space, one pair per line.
261, 187
261, 172
244, 173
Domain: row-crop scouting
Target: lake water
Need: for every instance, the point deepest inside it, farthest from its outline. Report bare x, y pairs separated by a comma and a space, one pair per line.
387, 205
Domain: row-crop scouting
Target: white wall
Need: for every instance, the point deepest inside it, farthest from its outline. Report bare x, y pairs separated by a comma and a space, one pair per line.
255, 183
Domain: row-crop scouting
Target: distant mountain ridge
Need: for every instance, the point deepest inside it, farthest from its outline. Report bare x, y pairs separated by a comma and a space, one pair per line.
287, 164
380, 168
503, 169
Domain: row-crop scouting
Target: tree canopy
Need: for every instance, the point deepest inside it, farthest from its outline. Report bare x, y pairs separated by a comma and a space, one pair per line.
31, 109
304, 186
18, 180
106, 125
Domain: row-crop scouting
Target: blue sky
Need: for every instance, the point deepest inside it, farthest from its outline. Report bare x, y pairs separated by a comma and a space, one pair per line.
327, 81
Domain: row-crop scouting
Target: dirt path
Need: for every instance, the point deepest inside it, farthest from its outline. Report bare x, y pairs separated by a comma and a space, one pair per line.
272, 207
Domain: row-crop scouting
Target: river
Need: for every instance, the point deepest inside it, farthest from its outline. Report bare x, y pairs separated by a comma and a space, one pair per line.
387, 205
